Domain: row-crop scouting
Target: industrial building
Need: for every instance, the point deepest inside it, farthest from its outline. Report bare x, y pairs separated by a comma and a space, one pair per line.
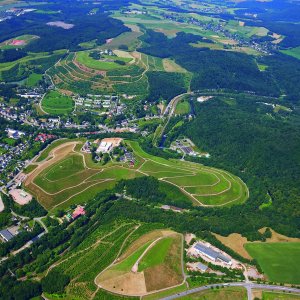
212, 254
6, 235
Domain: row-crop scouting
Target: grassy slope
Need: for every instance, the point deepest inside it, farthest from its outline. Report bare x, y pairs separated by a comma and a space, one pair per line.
156, 255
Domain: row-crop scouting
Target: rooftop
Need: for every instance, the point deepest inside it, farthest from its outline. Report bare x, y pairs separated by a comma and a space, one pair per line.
6, 235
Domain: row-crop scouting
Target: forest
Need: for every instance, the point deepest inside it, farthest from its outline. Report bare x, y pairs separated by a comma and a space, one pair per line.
262, 147
86, 28
214, 69
165, 85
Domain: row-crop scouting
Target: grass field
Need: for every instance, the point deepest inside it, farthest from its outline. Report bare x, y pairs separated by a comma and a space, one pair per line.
66, 176
33, 79
55, 103
151, 263
156, 255
229, 293
84, 58
182, 108
278, 260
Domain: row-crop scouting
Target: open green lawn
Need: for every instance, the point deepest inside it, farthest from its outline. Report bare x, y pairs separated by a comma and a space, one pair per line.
84, 58
128, 263
279, 261
55, 103
33, 79
182, 108
156, 255
67, 167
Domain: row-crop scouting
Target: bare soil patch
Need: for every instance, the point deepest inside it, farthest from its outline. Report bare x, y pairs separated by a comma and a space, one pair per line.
61, 24
126, 284
236, 242
160, 277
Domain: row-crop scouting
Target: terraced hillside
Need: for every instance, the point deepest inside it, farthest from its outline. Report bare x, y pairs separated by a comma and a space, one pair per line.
69, 176
79, 73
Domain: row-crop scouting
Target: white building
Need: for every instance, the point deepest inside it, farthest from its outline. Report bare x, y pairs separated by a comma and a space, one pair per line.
104, 147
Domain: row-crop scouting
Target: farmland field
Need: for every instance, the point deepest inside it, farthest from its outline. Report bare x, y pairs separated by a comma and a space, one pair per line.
278, 260
69, 176
57, 104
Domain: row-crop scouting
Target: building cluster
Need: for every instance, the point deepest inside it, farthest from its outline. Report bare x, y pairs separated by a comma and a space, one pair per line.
14, 134
43, 137
220, 28
11, 157
13, 12
105, 104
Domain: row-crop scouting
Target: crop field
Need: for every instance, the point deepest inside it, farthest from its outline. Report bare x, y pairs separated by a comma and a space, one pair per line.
151, 263
278, 260
57, 104
69, 176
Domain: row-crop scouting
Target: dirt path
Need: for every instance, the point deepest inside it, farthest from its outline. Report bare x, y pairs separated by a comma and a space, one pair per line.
135, 267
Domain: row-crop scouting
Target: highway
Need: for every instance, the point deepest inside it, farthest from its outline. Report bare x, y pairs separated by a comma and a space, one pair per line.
246, 285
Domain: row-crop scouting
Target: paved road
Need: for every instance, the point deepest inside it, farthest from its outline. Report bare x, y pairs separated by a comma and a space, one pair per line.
170, 110
247, 285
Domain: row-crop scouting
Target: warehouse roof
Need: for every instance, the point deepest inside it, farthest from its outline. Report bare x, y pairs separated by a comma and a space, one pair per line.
212, 253
6, 235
